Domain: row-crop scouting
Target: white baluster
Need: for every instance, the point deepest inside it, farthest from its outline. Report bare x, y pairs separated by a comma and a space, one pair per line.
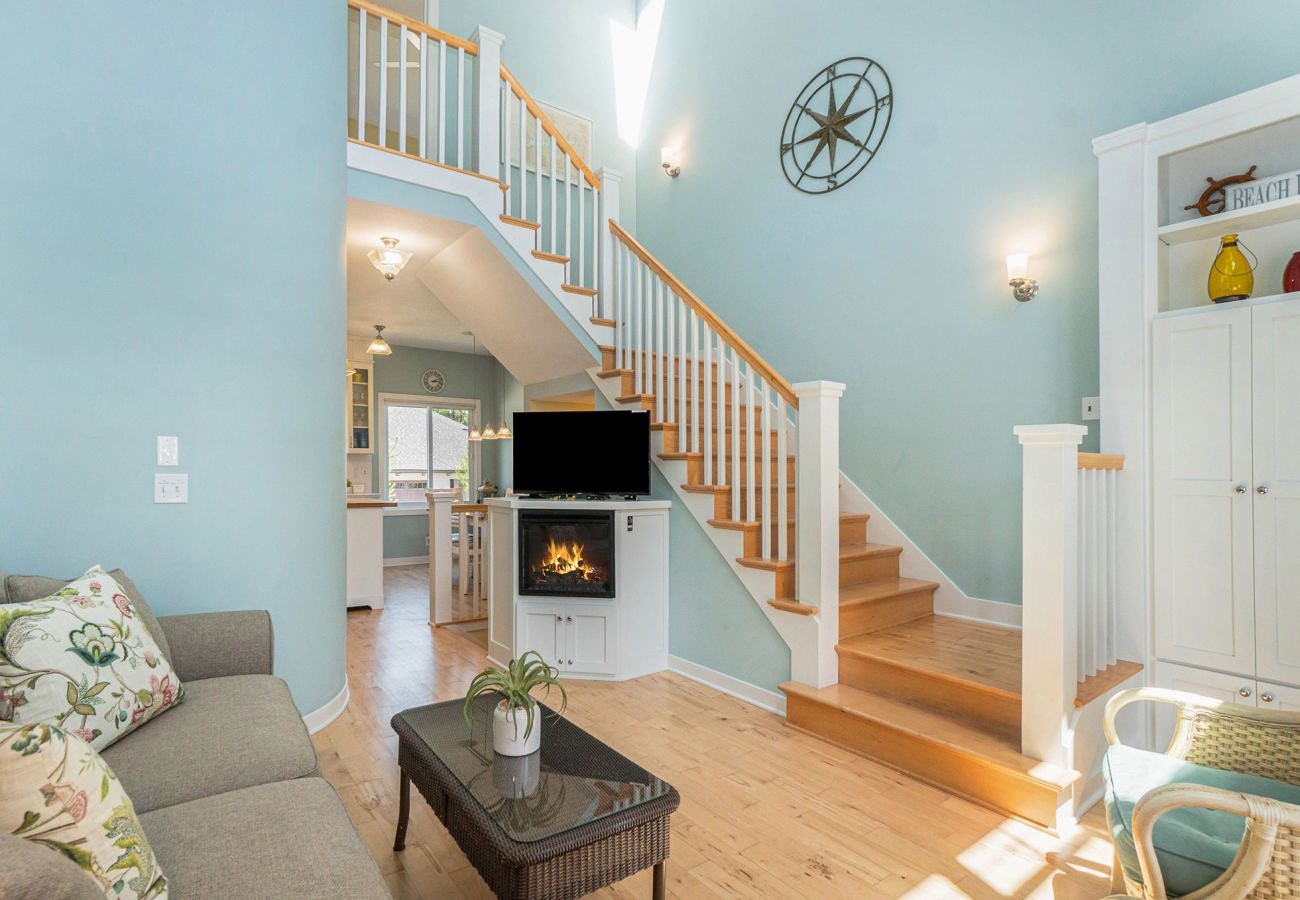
423, 148
766, 423
401, 89
595, 238
460, 107
383, 81
582, 228
661, 386
697, 415
617, 303
504, 148
720, 414
782, 484
361, 74
537, 172
1112, 569
442, 101
523, 167
670, 311
751, 447
1082, 619
683, 386
706, 394
552, 170
1099, 577
638, 358
735, 435
568, 209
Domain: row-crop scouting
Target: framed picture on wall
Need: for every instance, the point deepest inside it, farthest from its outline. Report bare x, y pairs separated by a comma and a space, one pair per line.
578, 130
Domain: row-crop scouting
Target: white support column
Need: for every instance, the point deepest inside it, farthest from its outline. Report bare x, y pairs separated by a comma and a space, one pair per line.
610, 185
1050, 538
817, 512
487, 103
439, 556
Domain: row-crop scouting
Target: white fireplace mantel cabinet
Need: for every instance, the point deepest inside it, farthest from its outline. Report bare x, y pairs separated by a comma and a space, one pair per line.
616, 638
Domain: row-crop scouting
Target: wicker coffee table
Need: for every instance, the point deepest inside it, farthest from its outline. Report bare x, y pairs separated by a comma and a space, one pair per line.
568, 820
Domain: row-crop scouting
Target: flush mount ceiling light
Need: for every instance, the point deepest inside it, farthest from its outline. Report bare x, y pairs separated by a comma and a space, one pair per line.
379, 346
387, 258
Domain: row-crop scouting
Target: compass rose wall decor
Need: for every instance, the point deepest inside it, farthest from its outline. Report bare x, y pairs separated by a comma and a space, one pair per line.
836, 124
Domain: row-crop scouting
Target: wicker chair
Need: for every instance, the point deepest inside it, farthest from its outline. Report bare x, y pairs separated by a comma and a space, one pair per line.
1237, 739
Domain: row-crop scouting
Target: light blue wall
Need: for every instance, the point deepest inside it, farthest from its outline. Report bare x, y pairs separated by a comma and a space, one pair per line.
173, 217
895, 284
468, 376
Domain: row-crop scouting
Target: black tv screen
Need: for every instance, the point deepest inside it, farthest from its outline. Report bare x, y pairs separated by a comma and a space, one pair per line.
582, 453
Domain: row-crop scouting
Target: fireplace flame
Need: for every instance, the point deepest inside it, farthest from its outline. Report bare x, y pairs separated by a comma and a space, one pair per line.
566, 559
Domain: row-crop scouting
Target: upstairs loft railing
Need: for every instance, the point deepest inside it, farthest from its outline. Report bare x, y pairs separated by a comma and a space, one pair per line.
427, 94
724, 400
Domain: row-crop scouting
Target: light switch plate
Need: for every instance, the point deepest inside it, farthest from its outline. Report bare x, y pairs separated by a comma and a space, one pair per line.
1091, 409
171, 488
169, 450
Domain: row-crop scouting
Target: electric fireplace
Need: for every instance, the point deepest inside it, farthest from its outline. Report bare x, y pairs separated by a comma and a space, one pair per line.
566, 554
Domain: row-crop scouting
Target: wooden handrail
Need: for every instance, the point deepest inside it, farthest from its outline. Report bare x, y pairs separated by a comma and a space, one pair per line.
415, 25
1101, 461
549, 127
746, 352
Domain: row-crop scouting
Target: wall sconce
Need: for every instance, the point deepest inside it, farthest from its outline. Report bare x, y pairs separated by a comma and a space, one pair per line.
668, 159
1022, 287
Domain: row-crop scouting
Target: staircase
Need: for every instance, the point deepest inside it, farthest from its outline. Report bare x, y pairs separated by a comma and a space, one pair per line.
753, 458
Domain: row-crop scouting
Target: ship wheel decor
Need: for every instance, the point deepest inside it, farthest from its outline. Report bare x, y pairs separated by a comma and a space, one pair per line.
835, 125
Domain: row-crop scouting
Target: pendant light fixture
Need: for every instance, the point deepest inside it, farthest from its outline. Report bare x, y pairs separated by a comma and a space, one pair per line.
387, 258
474, 434
379, 346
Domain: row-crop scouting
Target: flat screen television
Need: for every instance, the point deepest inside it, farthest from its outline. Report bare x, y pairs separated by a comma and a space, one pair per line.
582, 453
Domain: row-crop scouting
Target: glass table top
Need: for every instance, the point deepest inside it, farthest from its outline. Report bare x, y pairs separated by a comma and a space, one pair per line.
572, 780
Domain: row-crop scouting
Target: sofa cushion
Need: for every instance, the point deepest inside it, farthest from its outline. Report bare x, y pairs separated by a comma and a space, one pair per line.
57, 794
290, 839
32, 872
22, 588
82, 659
229, 733
1193, 846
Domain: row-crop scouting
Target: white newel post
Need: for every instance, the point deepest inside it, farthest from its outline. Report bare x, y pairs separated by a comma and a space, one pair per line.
1050, 541
817, 537
439, 556
611, 183
487, 101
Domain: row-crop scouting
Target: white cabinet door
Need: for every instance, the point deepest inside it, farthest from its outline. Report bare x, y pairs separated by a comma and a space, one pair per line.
1215, 685
1277, 696
1276, 337
591, 640
542, 628
1201, 441
643, 592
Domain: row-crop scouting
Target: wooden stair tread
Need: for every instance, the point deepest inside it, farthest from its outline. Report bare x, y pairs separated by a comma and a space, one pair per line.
771, 565
586, 292
793, 606
551, 257
597, 320
522, 223
944, 647
935, 728
1107, 679
882, 588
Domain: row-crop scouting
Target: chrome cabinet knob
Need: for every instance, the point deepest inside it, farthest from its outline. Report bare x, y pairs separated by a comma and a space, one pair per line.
568, 618
570, 662
1240, 489
1267, 696
1245, 692
559, 618
1262, 489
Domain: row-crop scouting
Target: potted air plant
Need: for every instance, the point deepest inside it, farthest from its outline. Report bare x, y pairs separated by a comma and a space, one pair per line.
515, 731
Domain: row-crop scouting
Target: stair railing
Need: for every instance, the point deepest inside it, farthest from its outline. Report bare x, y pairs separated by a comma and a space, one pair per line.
1070, 607
409, 89
564, 191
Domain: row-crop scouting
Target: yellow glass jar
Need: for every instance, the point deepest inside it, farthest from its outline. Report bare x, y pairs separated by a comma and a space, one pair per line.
1232, 276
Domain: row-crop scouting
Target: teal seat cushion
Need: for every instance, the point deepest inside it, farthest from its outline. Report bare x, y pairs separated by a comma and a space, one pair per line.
1194, 846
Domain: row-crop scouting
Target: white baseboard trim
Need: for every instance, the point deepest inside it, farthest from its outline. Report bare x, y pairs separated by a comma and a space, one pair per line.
988, 611
406, 560
720, 681
319, 718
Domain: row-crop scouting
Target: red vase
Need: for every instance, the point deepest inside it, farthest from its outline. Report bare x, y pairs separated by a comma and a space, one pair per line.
1291, 276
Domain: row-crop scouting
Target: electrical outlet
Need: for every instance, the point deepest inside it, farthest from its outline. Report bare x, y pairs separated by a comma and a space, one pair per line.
171, 488
169, 451
1091, 409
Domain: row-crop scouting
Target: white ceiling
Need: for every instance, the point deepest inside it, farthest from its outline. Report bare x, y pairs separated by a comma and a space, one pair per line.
412, 315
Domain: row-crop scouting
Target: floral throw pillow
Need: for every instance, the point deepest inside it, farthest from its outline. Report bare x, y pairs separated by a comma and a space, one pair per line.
58, 792
83, 660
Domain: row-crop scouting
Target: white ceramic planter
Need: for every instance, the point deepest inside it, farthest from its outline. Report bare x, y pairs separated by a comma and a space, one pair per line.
508, 736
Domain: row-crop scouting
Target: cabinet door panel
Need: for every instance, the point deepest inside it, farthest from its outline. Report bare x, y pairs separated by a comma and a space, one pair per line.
590, 640
1286, 699
1276, 365
1214, 685
541, 628
1204, 566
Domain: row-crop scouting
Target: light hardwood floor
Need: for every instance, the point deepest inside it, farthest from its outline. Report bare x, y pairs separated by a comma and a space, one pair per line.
766, 811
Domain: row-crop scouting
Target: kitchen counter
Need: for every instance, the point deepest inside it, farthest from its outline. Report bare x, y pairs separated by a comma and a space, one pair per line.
369, 503
365, 560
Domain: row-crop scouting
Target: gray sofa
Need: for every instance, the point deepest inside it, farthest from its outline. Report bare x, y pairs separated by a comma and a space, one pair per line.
226, 784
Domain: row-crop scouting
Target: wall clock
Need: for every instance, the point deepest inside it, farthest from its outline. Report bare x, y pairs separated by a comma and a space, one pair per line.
433, 381
836, 125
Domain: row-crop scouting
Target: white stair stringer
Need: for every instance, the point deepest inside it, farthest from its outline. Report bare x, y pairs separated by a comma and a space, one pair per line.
798, 632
